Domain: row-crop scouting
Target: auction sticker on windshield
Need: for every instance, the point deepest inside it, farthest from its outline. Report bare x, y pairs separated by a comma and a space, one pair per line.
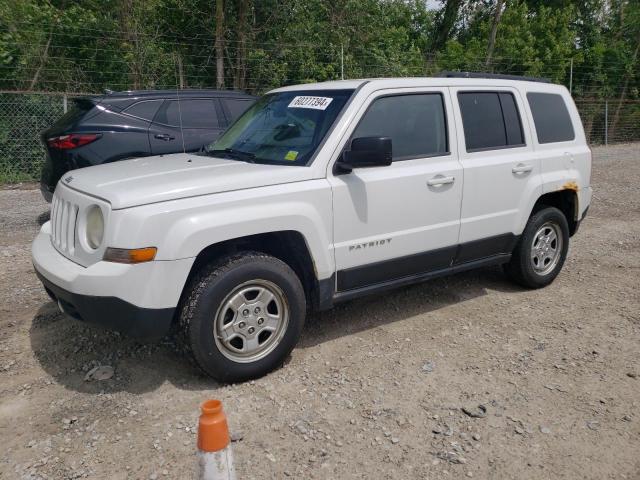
317, 103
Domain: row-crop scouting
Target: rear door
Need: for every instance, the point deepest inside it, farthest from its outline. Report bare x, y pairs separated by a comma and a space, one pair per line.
194, 121
501, 169
135, 137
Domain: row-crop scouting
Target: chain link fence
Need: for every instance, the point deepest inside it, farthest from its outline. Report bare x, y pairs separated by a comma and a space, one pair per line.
22, 118
24, 115
609, 121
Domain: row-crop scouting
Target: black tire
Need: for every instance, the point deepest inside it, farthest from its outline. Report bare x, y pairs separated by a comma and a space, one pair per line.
521, 267
204, 297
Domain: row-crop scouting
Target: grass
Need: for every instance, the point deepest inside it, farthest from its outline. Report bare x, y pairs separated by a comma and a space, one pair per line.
8, 177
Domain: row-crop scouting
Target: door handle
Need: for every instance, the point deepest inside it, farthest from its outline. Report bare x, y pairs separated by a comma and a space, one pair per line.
522, 168
439, 180
164, 136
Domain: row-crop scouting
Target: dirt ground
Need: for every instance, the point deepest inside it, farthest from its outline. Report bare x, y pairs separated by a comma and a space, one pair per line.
375, 389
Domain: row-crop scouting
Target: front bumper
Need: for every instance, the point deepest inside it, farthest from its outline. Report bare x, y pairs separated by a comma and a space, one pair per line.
112, 313
137, 300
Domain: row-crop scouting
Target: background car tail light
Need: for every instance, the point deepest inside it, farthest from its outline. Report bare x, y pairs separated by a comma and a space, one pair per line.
74, 140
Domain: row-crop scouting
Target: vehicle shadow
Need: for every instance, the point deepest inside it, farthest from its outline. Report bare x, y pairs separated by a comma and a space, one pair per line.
67, 349
396, 305
43, 218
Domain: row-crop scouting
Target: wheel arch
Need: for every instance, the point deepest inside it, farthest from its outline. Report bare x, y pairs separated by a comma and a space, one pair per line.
565, 200
289, 246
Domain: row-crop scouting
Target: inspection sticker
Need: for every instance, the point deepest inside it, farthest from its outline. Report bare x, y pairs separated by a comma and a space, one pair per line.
316, 103
291, 155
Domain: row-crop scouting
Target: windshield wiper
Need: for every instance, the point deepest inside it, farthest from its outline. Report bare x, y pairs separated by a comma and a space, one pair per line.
233, 153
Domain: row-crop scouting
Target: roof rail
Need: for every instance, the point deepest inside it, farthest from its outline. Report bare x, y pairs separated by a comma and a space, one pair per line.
172, 91
448, 74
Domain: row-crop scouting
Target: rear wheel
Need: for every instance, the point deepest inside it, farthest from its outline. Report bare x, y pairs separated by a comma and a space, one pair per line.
541, 250
242, 316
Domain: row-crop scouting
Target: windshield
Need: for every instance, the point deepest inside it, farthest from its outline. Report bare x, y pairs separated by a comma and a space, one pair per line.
281, 128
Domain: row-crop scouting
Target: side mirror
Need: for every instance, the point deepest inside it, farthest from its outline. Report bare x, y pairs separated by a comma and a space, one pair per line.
366, 152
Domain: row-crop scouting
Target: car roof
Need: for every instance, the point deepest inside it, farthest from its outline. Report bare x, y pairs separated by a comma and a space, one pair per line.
440, 81
185, 92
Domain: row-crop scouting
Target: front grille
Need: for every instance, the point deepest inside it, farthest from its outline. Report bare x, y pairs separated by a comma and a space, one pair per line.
64, 216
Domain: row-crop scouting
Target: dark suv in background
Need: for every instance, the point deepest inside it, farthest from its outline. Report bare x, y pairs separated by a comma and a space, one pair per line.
122, 125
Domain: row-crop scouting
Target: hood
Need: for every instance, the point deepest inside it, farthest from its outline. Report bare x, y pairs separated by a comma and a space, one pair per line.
147, 180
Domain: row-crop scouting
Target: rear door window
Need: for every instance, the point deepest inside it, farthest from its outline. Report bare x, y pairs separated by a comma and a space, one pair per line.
194, 113
415, 123
491, 120
551, 117
512, 126
145, 109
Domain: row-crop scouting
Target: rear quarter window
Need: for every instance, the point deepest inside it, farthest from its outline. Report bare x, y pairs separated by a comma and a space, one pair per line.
550, 117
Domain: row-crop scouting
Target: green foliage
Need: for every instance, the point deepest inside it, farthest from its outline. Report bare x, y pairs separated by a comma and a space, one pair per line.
535, 43
89, 45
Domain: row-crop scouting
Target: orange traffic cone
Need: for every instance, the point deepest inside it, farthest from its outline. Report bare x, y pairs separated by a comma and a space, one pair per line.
215, 459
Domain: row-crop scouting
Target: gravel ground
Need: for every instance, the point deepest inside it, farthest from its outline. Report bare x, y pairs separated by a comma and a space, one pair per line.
377, 387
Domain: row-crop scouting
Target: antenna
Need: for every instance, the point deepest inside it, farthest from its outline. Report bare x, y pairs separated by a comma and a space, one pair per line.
184, 150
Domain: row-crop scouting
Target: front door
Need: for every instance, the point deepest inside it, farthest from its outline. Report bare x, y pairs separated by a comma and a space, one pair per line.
400, 220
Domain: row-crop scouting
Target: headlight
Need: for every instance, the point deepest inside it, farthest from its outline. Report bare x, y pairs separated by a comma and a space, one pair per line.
95, 227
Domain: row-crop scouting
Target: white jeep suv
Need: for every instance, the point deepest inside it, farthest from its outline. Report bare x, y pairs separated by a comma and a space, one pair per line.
319, 193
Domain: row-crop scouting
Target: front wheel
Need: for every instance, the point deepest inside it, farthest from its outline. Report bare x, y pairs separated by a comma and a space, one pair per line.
242, 316
541, 250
